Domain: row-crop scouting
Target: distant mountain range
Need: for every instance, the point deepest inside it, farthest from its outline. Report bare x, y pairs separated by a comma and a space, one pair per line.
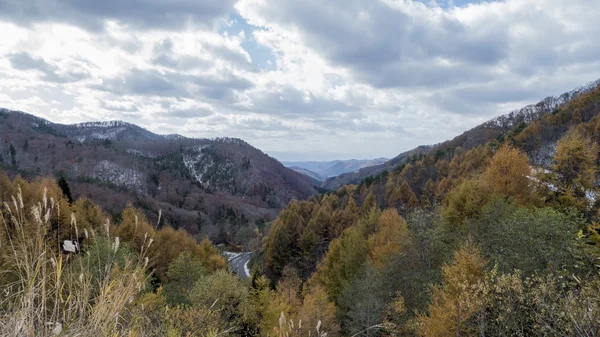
321, 170
207, 186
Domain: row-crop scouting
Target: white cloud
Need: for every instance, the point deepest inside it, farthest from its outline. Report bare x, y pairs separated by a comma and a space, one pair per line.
350, 78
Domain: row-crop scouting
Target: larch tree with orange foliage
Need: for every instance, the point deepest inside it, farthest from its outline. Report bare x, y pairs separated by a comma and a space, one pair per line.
575, 163
458, 299
391, 236
507, 174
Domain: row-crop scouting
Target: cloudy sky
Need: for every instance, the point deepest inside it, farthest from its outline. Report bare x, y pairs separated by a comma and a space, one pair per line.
299, 79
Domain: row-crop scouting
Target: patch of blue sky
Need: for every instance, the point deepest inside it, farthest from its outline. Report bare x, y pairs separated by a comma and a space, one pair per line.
261, 55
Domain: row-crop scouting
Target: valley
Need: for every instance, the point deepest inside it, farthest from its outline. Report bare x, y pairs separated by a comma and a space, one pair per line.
269, 168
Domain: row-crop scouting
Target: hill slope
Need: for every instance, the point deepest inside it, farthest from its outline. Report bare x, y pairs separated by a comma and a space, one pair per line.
211, 187
479, 135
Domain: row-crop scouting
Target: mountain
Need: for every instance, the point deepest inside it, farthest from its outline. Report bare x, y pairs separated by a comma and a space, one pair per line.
207, 186
335, 182
317, 178
479, 135
519, 188
327, 169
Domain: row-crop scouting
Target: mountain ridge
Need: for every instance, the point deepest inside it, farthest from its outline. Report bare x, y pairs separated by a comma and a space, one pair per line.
477, 135
332, 168
209, 187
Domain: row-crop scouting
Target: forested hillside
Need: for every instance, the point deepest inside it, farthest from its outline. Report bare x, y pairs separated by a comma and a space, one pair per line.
493, 233
208, 187
512, 122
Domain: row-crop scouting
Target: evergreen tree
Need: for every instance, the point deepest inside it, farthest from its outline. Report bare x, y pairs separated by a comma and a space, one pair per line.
183, 272
368, 204
64, 186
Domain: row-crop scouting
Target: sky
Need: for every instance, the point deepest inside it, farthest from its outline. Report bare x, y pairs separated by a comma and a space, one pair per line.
299, 79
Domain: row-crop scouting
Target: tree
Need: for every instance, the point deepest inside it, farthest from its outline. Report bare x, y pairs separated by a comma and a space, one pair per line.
507, 174
465, 201
64, 186
343, 260
221, 291
181, 276
575, 165
317, 308
277, 249
428, 195
363, 303
288, 289
13, 153
529, 239
458, 298
351, 208
263, 309
368, 204
391, 237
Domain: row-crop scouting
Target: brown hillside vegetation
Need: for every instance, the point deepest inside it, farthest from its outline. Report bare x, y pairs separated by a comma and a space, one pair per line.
206, 187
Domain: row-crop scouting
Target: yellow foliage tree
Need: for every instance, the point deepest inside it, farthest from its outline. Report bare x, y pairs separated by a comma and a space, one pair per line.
317, 308
575, 162
507, 174
458, 298
465, 201
391, 236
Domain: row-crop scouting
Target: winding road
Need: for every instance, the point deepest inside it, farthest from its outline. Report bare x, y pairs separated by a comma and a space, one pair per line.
238, 262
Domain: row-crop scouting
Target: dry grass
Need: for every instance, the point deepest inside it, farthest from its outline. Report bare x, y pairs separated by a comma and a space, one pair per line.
47, 293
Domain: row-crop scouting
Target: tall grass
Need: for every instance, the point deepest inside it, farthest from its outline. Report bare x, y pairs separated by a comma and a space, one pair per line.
45, 292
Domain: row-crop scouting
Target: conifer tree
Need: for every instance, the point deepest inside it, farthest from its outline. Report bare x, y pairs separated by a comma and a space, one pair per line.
507, 174
368, 204
458, 298
575, 165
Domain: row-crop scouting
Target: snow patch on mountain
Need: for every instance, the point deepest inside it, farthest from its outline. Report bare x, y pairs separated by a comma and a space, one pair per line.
534, 111
108, 124
544, 155
192, 158
118, 175
208, 169
141, 153
174, 136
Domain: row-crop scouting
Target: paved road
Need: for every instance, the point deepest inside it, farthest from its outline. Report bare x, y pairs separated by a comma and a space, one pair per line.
238, 262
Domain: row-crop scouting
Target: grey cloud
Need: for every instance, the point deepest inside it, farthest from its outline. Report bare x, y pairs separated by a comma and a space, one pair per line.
262, 125
119, 106
142, 83
181, 62
291, 102
415, 47
164, 56
91, 14
151, 82
188, 113
50, 73
356, 125
403, 49
214, 87
221, 88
